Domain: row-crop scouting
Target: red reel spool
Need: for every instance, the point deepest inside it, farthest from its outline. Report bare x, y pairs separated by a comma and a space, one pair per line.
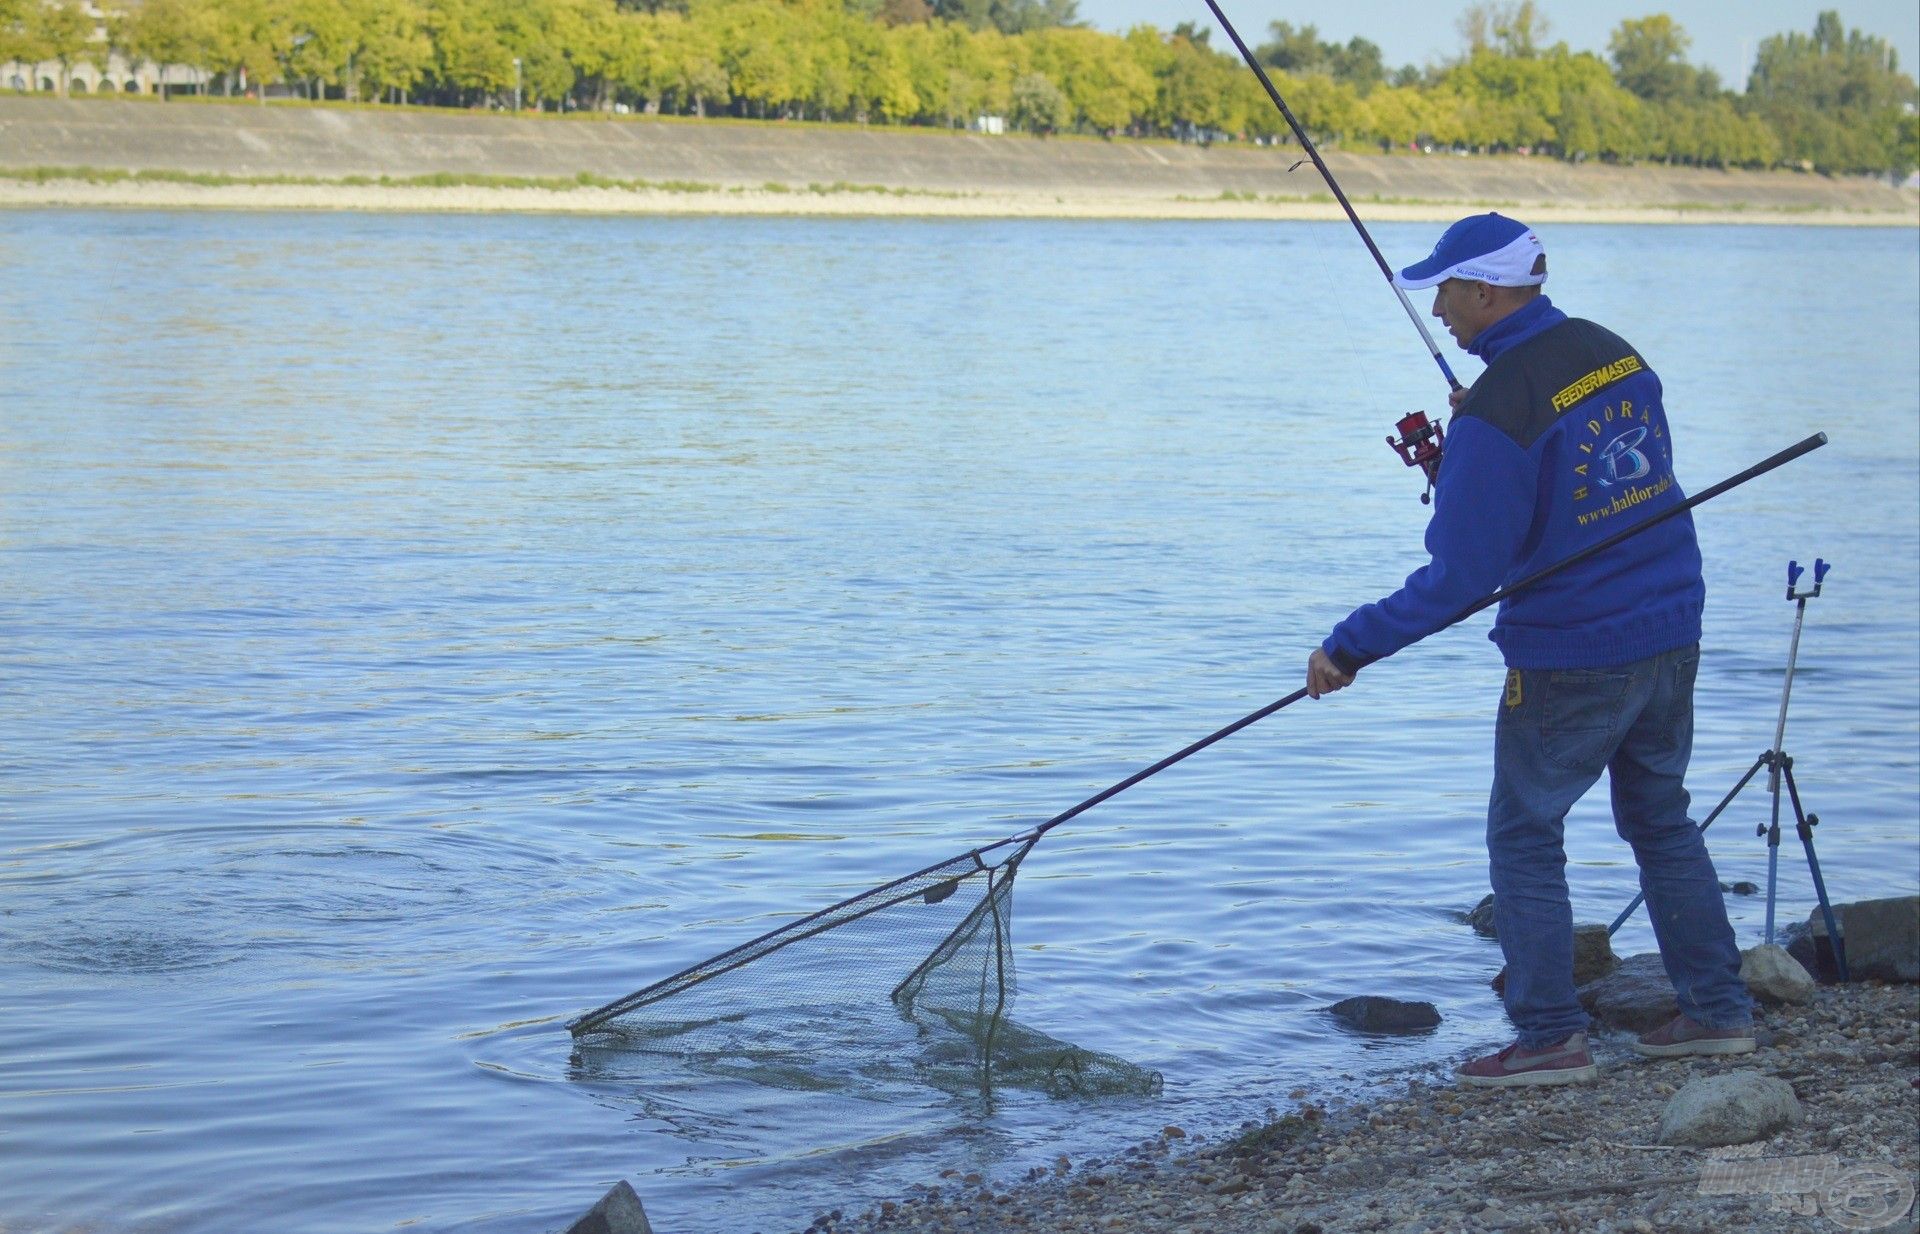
1419, 445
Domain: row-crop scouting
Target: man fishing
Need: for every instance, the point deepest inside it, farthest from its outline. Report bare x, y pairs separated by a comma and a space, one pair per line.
1560, 443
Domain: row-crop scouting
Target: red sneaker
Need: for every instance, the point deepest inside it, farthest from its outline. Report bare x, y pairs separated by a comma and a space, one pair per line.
1570, 1062
1681, 1036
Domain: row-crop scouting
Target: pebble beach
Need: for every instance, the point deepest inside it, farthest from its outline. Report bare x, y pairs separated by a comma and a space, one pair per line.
1422, 1156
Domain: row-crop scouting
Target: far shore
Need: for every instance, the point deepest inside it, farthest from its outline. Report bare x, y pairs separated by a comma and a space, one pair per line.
842, 200
116, 154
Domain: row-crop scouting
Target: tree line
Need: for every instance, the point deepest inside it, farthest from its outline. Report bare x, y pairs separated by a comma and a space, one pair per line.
1832, 99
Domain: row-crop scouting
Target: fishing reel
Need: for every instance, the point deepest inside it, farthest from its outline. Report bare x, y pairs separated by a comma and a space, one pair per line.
1419, 446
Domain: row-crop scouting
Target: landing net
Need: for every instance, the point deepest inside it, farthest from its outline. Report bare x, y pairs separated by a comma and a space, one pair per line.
921, 967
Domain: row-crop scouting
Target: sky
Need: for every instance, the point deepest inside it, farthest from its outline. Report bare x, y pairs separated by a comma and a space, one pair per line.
1726, 33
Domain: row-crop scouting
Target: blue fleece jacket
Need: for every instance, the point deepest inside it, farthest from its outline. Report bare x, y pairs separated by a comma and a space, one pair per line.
1562, 442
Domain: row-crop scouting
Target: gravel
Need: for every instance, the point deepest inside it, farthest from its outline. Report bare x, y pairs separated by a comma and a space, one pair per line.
1430, 1157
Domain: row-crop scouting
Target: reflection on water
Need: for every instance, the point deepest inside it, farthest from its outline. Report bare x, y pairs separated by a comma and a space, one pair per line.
419, 631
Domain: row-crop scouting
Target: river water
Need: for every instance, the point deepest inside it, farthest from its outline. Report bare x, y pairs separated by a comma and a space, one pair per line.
417, 631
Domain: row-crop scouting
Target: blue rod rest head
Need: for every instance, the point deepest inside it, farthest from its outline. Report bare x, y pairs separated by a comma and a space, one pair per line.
1820, 569
1794, 571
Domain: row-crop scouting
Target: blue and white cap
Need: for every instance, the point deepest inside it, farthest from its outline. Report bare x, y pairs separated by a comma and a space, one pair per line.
1486, 248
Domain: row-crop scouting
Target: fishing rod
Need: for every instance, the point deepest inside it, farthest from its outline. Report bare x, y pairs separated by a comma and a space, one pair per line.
1421, 441
1805, 446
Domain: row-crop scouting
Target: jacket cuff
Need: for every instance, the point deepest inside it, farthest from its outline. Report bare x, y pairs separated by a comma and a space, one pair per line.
1346, 663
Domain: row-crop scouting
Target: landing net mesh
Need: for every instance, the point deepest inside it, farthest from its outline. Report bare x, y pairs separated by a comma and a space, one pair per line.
921, 967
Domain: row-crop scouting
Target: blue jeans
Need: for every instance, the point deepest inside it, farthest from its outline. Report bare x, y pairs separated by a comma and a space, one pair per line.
1558, 730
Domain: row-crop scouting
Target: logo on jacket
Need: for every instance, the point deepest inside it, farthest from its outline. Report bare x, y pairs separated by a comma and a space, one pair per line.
1619, 462
1621, 443
1592, 383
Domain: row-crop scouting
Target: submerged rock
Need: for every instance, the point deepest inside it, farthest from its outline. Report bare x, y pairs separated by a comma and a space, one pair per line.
1636, 996
1775, 977
1371, 1013
1480, 917
1737, 1107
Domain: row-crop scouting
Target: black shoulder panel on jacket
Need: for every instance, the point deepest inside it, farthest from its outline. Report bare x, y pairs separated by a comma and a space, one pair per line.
1516, 393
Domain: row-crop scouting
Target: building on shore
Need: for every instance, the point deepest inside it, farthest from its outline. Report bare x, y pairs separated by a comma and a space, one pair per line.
101, 69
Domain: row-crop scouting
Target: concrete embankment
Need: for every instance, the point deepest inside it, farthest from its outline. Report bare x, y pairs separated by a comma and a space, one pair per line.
751, 167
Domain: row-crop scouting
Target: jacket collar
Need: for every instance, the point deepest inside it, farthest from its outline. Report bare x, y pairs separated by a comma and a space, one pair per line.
1536, 316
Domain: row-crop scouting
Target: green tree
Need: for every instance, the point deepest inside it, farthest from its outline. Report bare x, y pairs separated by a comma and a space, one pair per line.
471, 56
1008, 16
1104, 87
1397, 116
1301, 51
392, 51
244, 37
1508, 101
1198, 88
1596, 118
1650, 58
690, 51
1512, 29
904, 13
1292, 49
319, 39
13, 41
61, 30
21, 38
761, 47
168, 32
1360, 63
1836, 99
1038, 104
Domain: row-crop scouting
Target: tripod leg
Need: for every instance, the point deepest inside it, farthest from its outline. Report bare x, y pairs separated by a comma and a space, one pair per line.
1805, 828
1733, 792
1773, 842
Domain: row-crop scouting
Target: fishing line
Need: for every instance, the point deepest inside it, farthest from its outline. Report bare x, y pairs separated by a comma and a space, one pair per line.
1313, 153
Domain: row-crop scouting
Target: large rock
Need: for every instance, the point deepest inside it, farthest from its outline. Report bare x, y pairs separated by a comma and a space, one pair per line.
1372, 1014
1882, 937
1593, 956
1636, 996
1735, 1107
1775, 977
618, 1212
